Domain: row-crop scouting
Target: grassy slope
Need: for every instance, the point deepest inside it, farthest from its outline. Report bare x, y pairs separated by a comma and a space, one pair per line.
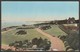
9, 37
55, 30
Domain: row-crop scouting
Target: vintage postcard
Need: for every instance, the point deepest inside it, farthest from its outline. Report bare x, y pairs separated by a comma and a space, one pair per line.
39, 26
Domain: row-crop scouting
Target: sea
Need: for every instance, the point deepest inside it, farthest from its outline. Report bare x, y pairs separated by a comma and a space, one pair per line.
8, 24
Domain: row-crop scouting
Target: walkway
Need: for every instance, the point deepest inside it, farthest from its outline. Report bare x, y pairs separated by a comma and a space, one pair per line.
56, 43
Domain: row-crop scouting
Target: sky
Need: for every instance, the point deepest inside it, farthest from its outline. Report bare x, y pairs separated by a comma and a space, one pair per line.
38, 10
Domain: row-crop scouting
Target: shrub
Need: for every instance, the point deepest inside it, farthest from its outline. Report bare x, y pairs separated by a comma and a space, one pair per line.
40, 43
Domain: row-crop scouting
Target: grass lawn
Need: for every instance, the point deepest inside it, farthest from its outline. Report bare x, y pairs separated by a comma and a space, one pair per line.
55, 30
9, 37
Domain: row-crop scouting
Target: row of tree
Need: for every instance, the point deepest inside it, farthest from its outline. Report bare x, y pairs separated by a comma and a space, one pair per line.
34, 44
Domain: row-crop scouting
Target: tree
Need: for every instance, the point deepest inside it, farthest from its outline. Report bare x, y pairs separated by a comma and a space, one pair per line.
73, 19
21, 32
11, 44
51, 22
23, 25
25, 41
40, 40
45, 44
34, 41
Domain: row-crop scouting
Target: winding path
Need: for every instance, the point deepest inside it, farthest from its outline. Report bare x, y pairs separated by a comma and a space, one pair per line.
56, 43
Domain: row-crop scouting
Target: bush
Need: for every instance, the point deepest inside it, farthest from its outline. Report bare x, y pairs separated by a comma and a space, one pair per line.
34, 41
40, 43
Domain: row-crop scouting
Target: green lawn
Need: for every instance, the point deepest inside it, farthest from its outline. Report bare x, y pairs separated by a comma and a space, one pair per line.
55, 30
9, 37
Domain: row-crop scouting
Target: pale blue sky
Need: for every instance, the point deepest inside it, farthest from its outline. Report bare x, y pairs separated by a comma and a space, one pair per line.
14, 12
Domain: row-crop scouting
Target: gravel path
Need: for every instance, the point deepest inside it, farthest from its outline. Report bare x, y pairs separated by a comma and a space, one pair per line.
56, 43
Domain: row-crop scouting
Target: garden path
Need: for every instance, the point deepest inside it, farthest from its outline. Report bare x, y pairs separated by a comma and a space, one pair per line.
56, 43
